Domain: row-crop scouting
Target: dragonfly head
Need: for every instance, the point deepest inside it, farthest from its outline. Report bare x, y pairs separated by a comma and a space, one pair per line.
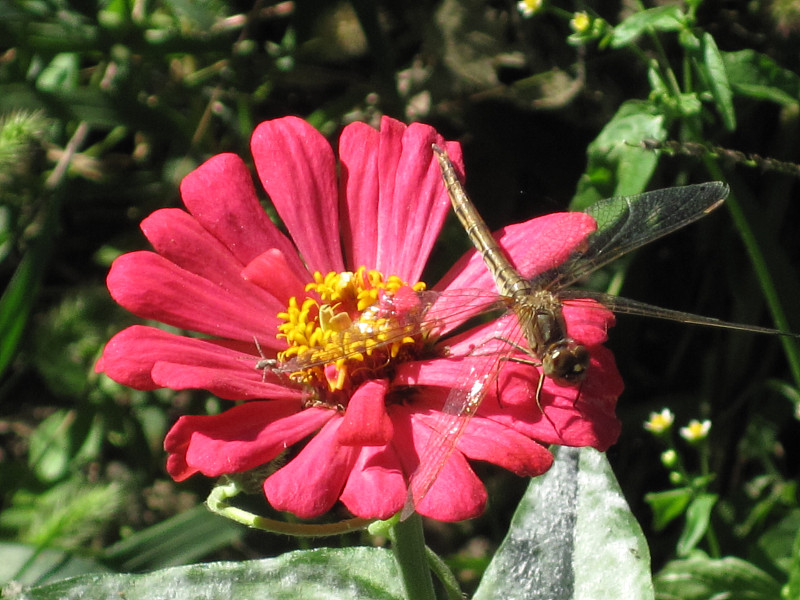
566, 362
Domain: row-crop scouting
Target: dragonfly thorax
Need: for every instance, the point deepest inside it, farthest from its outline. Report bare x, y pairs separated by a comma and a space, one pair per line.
563, 359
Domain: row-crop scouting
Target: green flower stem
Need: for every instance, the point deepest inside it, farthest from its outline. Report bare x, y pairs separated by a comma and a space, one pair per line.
217, 503
445, 575
408, 544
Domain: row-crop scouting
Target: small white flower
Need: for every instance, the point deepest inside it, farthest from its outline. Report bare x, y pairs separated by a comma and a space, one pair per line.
696, 430
659, 423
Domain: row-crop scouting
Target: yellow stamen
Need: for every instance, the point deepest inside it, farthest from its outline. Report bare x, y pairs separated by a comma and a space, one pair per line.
660, 423
342, 327
696, 431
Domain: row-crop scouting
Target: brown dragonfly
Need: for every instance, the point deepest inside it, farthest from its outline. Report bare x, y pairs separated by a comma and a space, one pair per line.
623, 224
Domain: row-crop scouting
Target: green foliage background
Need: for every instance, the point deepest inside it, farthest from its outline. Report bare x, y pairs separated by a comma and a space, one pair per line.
106, 105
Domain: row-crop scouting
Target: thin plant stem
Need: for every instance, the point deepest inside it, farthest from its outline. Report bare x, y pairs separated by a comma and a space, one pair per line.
408, 544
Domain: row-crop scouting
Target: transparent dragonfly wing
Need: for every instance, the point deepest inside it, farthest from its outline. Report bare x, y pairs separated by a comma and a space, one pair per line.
475, 379
620, 305
625, 223
429, 312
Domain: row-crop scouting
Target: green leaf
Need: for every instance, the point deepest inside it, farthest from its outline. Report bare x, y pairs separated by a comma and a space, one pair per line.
20, 296
573, 536
60, 74
28, 565
64, 516
793, 588
324, 574
698, 517
617, 163
778, 543
701, 578
668, 505
179, 540
718, 81
662, 18
61, 438
757, 76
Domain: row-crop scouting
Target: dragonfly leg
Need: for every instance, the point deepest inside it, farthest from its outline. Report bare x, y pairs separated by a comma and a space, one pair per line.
539, 385
539, 403
507, 341
533, 363
265, 363
268, 364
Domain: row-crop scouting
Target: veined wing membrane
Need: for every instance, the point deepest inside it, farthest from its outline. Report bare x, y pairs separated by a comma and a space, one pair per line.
476, 378
425, 312
629, 222
618, 304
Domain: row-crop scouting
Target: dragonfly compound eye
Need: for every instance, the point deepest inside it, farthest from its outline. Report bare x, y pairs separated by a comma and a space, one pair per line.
566, 362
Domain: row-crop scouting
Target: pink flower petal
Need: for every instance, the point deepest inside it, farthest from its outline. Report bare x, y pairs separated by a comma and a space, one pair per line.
376, 488
533, 247
588, 321
297, 168
476, 352
176, 236
365, 421
271, 272
441, 372
413, 199
359, 185
220, 195
457, 493
241, 438
487, 440
575, 417
222, 381
151, 287
144, 358
312, 482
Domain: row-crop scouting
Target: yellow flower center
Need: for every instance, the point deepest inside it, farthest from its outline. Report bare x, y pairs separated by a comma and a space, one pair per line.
580, 22
696, 431
659, 423
350, 327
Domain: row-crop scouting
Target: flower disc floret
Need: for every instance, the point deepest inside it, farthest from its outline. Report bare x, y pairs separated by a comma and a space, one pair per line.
349, 329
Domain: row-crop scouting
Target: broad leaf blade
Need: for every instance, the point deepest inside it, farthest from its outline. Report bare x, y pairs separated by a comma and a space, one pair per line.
698, 517
718, 81
567, 518
324, 574
617, 163
179, 540
756, 75
661, 18
701, 578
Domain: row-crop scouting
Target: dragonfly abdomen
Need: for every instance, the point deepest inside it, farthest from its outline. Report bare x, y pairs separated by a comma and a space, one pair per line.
538, 311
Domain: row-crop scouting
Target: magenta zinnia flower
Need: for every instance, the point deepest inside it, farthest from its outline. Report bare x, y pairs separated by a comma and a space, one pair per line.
352, 427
